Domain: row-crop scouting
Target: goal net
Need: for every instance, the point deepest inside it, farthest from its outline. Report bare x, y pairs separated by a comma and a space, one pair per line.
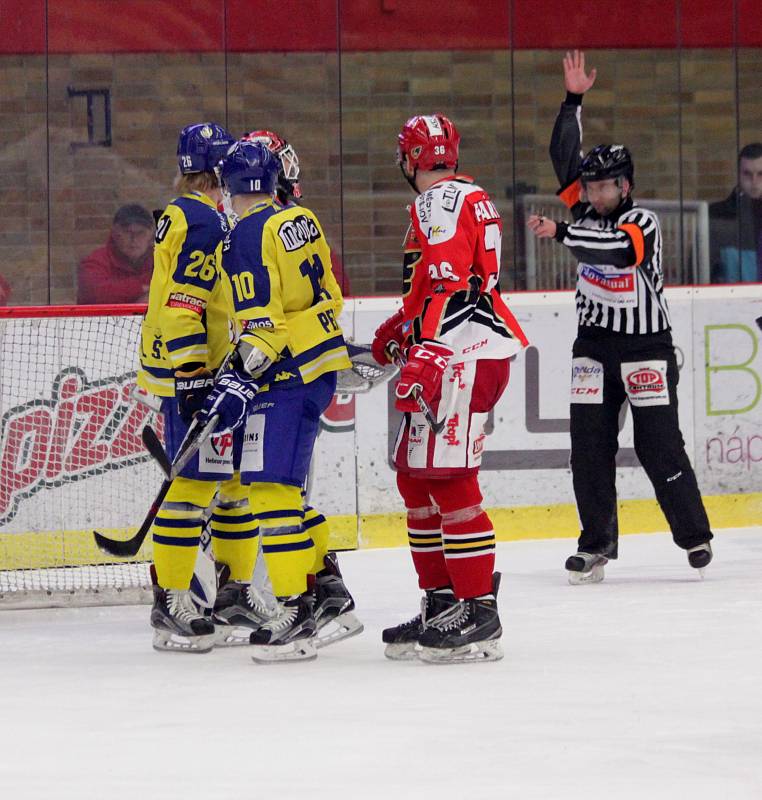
71, 457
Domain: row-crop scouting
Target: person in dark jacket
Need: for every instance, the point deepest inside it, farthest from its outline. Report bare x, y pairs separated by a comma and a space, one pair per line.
735, 224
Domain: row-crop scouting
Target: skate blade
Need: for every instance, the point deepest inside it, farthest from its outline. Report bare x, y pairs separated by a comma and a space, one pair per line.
596, 575
407, 651
336, 630
298, 650
489, 650
701, 571
168, 642
231, 635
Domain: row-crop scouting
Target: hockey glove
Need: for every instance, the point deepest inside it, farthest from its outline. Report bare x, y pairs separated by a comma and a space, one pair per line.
425, 366
389, 331
231, 399
193, 383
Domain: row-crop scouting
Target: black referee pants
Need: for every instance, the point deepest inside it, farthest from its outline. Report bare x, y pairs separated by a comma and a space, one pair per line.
643, 370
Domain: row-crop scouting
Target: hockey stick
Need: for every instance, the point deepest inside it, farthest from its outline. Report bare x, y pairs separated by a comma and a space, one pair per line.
396, 353
194, 438
153, 444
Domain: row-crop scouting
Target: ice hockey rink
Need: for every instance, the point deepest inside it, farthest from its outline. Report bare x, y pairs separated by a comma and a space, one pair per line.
646, 686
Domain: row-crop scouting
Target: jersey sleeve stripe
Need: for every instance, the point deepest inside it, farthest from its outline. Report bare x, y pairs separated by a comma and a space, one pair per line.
313, 352
638, 242
570, 196
186, 341
158, 372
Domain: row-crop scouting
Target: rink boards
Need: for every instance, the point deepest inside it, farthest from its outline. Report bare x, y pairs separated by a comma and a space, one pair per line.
48, 509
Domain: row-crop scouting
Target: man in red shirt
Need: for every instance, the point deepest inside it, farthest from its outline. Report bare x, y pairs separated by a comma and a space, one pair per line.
457, 335
120, 271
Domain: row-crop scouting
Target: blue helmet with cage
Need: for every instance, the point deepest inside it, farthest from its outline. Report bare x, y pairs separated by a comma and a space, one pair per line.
201, 146
249, 168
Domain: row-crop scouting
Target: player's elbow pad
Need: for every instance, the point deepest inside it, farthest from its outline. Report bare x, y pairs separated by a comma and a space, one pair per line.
252, 359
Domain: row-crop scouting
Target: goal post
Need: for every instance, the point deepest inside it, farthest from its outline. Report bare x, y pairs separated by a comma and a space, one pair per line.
71, 456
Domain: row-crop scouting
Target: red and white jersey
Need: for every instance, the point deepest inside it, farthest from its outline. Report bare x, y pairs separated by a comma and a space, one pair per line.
451, 270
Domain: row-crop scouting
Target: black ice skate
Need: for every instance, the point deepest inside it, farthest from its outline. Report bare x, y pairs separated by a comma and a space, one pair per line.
289, 636
178, 623
586, 568
402, 641
700, 556
469, 632
333, 605
238, 610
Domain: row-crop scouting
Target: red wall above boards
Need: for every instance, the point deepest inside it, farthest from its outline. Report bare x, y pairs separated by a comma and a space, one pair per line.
133, 26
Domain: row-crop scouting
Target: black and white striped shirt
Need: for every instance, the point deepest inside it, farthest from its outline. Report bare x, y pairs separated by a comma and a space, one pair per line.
619, 276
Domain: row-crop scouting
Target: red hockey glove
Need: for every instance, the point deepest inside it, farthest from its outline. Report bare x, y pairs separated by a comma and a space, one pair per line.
389, 331
425, 366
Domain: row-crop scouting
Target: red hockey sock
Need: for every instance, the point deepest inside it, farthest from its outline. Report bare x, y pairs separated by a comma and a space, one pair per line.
469, 550
467, 535
424, 526
425, 538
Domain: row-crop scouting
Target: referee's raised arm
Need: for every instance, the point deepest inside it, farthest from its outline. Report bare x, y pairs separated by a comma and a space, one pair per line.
566, 139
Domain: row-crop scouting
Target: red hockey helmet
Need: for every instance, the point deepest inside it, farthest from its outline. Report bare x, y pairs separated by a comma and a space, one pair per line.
428, 142
288, 179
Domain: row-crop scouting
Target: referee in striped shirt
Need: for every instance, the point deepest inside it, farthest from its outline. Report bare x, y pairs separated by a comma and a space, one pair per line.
623, 349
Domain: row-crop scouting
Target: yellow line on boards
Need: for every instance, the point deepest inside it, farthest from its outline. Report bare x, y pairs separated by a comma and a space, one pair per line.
560, 521
75, 548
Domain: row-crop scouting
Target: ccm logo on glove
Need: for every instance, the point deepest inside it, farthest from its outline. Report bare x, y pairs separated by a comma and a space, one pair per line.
424, 369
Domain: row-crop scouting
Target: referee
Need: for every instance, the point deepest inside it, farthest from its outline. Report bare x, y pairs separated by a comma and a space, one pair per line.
623, 349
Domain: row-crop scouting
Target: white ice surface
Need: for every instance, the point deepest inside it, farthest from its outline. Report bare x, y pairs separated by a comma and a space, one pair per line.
647, 686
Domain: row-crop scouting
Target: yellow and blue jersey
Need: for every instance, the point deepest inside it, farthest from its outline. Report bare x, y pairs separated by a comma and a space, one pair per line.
190, 309
287, 301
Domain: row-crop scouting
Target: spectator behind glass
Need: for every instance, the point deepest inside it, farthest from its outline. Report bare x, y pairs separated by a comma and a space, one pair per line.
120, 271
735, 224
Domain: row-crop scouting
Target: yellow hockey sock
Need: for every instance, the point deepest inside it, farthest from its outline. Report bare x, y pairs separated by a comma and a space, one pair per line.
235, 530
315, 523
287, 547
176, 531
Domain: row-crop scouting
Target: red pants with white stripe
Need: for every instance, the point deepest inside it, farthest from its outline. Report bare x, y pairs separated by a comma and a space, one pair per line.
452, 540
469, 392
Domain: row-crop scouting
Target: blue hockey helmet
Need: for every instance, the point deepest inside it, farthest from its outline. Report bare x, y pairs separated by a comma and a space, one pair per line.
201, 146
249, 168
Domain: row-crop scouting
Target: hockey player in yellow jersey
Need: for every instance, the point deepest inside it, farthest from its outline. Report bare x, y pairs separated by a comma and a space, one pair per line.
282, 378
333, 603
186, 335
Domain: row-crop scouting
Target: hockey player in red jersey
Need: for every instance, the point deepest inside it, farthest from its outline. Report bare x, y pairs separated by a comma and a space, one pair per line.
457, 336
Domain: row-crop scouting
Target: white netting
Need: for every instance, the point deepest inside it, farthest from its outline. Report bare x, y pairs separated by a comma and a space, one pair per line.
71, 459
